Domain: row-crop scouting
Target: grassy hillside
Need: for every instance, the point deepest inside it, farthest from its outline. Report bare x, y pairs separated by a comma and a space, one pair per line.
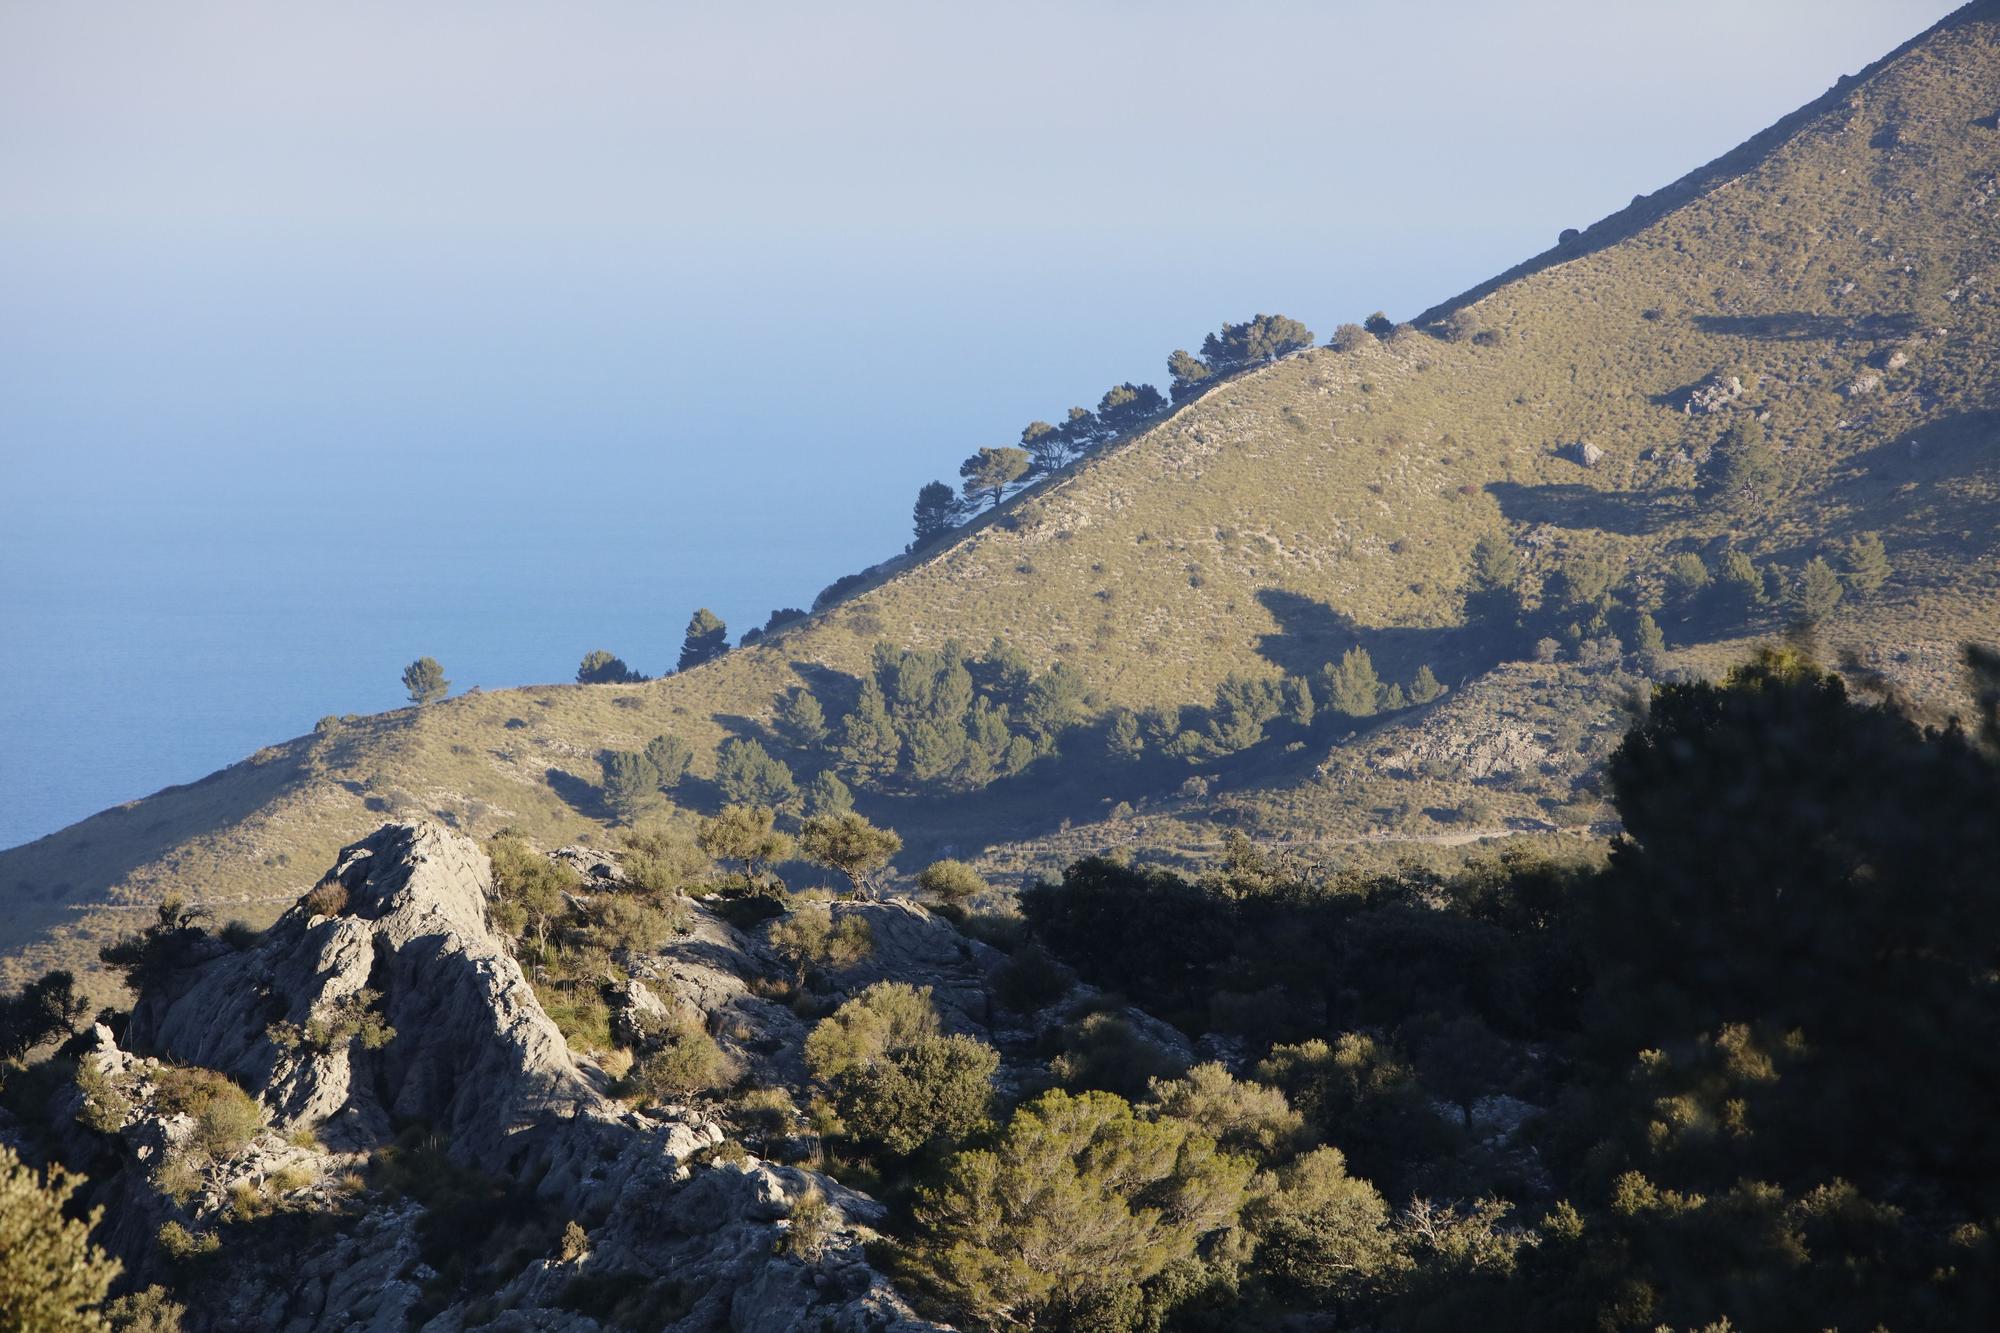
1842, 267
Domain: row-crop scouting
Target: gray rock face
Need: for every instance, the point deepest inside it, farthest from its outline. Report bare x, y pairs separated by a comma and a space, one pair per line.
474, 1055
913, 946
1713, 394
476, 1060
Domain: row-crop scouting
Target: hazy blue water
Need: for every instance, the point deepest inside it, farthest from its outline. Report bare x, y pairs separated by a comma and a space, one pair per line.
331, 337
218, 534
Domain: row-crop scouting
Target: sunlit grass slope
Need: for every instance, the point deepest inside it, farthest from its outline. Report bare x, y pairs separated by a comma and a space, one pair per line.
1843, 268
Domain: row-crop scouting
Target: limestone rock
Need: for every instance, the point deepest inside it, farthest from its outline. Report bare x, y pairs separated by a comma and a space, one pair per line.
912, 945
1713, 394
474, 1055
476, 1060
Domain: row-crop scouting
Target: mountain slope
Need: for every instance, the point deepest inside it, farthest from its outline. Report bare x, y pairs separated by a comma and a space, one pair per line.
1840, 266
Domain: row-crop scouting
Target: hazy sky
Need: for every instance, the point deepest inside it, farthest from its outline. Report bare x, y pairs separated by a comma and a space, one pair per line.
505, 331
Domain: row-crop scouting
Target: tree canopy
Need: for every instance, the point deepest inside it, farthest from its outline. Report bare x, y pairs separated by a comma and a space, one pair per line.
707, 638
601, 668
53, 1278
936, 512
990, 472
424, 679
847, 842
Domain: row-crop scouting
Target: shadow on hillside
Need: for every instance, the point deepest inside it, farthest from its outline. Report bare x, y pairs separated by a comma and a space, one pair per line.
1311, 634
1891, 487
1568, 505
836, 689
583, 797
1797, 326
40, 879
1676, 399
1082, 785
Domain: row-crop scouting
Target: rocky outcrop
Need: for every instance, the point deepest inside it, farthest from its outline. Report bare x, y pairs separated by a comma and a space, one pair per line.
474, 1056
689, 1236
911, 945
1713, 394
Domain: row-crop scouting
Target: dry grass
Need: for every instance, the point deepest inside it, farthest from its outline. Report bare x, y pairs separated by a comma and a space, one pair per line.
1329, 499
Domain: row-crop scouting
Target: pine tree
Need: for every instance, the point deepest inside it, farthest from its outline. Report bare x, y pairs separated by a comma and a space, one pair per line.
1264, 338
1190, 376
826, 794
1426, 686
1491, 600
1081, 432
748, 774
1053, 704
1045, 445
1299, 706
1126, 406
1495, 563
937, 748
935, 514
631, 784
707, 639
1819, 590
1743, 469
869, 745
801, 720
1741, 582
848, 843
988, 743
1243, 704
1122, 742
425, 681
601, 668
670, 757
1867, 563
990, 472
1651, 643
1687, 578
1351, 685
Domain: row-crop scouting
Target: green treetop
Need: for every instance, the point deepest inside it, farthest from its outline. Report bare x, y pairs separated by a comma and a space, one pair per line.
1351, 685
848, 843
748, 774
990, 472
935, 514
707, 639
425, 681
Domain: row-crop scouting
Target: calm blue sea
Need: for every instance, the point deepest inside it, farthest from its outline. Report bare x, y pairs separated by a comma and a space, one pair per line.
242, 496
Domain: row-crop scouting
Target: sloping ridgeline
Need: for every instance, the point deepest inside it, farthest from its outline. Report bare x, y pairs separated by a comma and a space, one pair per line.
1782, 355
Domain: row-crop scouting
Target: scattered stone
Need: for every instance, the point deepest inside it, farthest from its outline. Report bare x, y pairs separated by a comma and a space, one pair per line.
1863, 384
1585, 454
1713, 394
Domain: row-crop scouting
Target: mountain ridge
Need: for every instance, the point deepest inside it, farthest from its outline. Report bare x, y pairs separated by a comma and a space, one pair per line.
1329, 500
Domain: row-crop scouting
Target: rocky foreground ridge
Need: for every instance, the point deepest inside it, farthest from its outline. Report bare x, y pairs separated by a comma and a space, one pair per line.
662, 1227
